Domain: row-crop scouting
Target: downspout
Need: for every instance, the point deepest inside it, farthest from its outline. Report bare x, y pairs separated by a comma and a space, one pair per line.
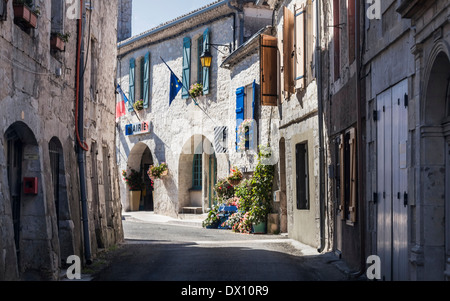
241, 22
321, 138
359, 134
82, 147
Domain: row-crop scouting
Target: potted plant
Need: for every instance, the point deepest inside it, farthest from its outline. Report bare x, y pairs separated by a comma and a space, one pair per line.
196, 90
135, 184
158, 171
139, 105
24, 14
224, 190
59, 40
213, 219
235, 177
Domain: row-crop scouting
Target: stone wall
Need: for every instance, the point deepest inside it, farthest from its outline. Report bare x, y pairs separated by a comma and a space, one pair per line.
38, 104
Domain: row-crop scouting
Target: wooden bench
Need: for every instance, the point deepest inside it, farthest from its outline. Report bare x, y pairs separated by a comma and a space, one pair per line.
191, 209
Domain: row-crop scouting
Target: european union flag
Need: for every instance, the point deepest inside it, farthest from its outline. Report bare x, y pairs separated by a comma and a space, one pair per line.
175, 87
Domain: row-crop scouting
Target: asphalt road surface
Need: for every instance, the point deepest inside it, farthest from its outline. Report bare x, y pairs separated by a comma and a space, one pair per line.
168, 252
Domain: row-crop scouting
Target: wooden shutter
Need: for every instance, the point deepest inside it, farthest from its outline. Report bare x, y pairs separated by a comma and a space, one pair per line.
206, 70
342, 175
131, 86
146, 81
288, 51
253, 135
186, 67
269, 71
300, 49
240, 94
353, 175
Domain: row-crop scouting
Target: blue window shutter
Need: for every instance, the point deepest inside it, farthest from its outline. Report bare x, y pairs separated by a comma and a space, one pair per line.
131, 86
146, 81
186, 67
206, 71
253, 135
240, 94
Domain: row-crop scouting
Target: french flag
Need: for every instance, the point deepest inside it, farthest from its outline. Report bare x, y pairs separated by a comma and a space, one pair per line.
121, 105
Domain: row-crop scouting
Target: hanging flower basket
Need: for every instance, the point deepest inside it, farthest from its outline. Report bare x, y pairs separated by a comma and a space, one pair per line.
235, 177
159, 171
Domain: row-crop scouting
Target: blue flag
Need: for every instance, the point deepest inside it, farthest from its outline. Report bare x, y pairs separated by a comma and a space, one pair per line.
175, 86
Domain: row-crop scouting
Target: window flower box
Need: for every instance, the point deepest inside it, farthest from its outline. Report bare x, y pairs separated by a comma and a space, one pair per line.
57, 42
25, 15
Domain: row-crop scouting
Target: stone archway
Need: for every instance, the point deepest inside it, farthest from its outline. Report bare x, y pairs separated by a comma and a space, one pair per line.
140, 159
63, 214
34, 230
197, 173
435, 166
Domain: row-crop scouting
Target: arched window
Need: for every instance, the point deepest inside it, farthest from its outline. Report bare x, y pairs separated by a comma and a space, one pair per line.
197, 172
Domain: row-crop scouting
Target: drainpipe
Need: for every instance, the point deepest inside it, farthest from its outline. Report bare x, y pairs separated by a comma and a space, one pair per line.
241, 21
321, 138
359, 134
82, 147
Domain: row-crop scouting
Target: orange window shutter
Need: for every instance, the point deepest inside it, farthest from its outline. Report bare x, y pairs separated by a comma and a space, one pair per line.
353, 175
342, 177
300, 50
288, 51
269, 87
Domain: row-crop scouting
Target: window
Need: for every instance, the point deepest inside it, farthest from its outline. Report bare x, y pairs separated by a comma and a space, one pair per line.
94, 67
336, 38
203, 73
351, 20
245, 110
300, 71
303, 55
186, 67
199, 63
288, 51
269, 71
58, 16
197, 172
302, 176
348, 175
3, 10
139, 81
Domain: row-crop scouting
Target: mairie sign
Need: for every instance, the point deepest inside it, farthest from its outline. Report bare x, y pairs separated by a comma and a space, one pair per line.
137, 128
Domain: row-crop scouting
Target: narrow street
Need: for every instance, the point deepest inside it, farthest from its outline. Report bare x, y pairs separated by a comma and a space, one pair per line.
159, 249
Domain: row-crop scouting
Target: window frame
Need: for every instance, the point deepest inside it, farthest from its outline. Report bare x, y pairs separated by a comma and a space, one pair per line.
303, 193
348, 175
197, 172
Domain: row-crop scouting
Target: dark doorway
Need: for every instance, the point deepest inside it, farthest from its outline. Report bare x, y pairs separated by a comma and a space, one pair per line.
147, 198
14, 169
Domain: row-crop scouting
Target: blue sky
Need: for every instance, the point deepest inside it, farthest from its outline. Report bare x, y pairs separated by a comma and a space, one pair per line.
150, 13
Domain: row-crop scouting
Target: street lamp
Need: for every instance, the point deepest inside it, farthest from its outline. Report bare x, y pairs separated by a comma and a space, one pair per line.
206, 56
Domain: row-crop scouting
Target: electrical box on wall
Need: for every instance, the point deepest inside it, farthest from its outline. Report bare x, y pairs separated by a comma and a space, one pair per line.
30, 186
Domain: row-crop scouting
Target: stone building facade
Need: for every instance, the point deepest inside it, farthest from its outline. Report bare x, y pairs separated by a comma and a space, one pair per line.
41, 212
196, 138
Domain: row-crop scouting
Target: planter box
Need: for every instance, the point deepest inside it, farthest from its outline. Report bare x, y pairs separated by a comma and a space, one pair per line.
260, 228
57, 43
135, 200
25, 16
